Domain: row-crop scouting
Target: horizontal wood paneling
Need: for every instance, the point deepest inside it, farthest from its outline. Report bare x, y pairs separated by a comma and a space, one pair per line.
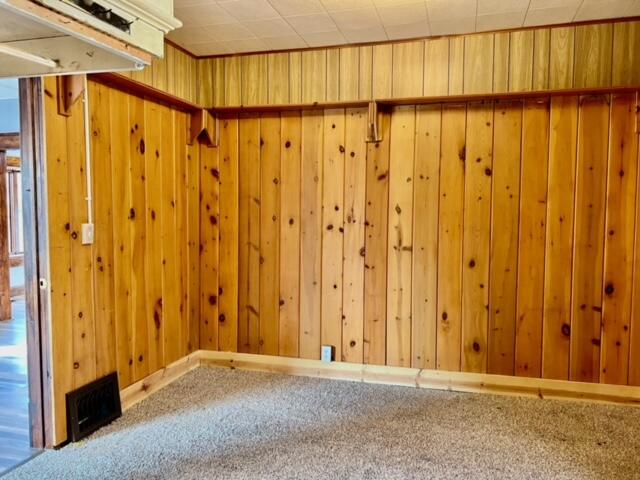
125, 302
597, 55
470, 260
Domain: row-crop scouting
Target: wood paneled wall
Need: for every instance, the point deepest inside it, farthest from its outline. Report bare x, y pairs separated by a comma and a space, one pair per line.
596, 55
495, 236
129, 302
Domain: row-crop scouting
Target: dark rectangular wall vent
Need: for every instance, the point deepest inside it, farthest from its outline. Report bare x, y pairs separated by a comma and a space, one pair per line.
93, 406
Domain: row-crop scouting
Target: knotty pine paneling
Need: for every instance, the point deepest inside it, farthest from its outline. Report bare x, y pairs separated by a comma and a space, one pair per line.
597, 55
464, 240
128, 302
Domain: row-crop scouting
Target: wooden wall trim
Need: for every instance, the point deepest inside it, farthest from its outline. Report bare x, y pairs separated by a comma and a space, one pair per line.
430, 379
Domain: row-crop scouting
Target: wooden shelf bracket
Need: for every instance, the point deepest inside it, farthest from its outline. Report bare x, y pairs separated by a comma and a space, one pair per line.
70, 89
373, 132
204, 127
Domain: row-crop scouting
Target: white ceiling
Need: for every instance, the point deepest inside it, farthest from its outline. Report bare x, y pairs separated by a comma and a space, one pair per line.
8, 88
217, 27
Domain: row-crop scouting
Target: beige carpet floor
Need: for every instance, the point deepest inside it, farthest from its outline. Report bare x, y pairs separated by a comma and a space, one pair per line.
230, 424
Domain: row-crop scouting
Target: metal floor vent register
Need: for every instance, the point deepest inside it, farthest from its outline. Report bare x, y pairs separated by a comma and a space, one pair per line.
93, 406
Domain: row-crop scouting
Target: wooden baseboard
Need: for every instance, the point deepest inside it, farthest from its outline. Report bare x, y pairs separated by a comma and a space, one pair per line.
433, 379
140, 390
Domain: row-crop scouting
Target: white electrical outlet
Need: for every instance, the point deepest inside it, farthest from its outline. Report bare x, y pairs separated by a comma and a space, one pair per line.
88, 233
326, 353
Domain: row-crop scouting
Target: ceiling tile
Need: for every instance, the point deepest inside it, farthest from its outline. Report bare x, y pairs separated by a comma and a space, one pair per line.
285, 42
274, 27
247, 10
359, 18
193, 35
210, 48
247, 45
538, 4
408, 30
448, 10
195, 16
188, 3
316, 23
403, 14
596, 9
549, 16
454, 26
492, 7
365, 35
337, 5
230, 31
501, 21
297, 7
324, 39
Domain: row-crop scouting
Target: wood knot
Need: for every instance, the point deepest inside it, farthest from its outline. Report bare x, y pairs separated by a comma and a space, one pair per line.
221, 318
472, 263
352, 343
476, 347
287, 144
608, 289
566, 330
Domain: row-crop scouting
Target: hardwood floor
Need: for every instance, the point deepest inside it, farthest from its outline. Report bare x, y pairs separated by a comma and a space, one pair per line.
14, 395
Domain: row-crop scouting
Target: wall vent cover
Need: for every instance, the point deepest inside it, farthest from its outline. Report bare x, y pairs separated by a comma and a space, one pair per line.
93, 406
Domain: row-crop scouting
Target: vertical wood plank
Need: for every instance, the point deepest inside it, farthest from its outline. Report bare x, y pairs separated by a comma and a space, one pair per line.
619, 240
181, 119
593, 55
634, 349
504, 239
218, 81
295, 77
540, 77
400, 246
521, 61
332, 228
533, 199
477, 236
254, 79
408, 69
289, 329
382, 71
314, 76
478, 63
425, 236
501, 62
376, 227
355, 172
586, 304
561, 54
452, 172
333, 75
626, 53
232, 81
456, 65
559, 238
311, 233
278, 73
349, 73
193, 215
269, 233
228, 268
436, 66
365, 76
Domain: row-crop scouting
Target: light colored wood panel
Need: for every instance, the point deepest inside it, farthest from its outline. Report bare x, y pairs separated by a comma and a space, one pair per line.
408, 69
456, 65
82, 285
254, 79
289, 330
228, 267
561, 55
349, 73
269, 233
382, 71
206, 85
376, 227
355, 172
593, 55
295, 77
311, 233
452, 166
333, 75
160, 72
154, 158
103, 246
586, 304
332, 228
365, 75
626, 53
232, 81
314, 76
533, 198
436, 66
278, 72
501, 50
181, 120
478, 63
425, 236
218, 81
193, 245
170, 67
249, 235
477, 236
619, 241
504, 239
209, 246
521, 61
634, 354
559, 238
541, 59
137, 127
400, 243
170, 267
